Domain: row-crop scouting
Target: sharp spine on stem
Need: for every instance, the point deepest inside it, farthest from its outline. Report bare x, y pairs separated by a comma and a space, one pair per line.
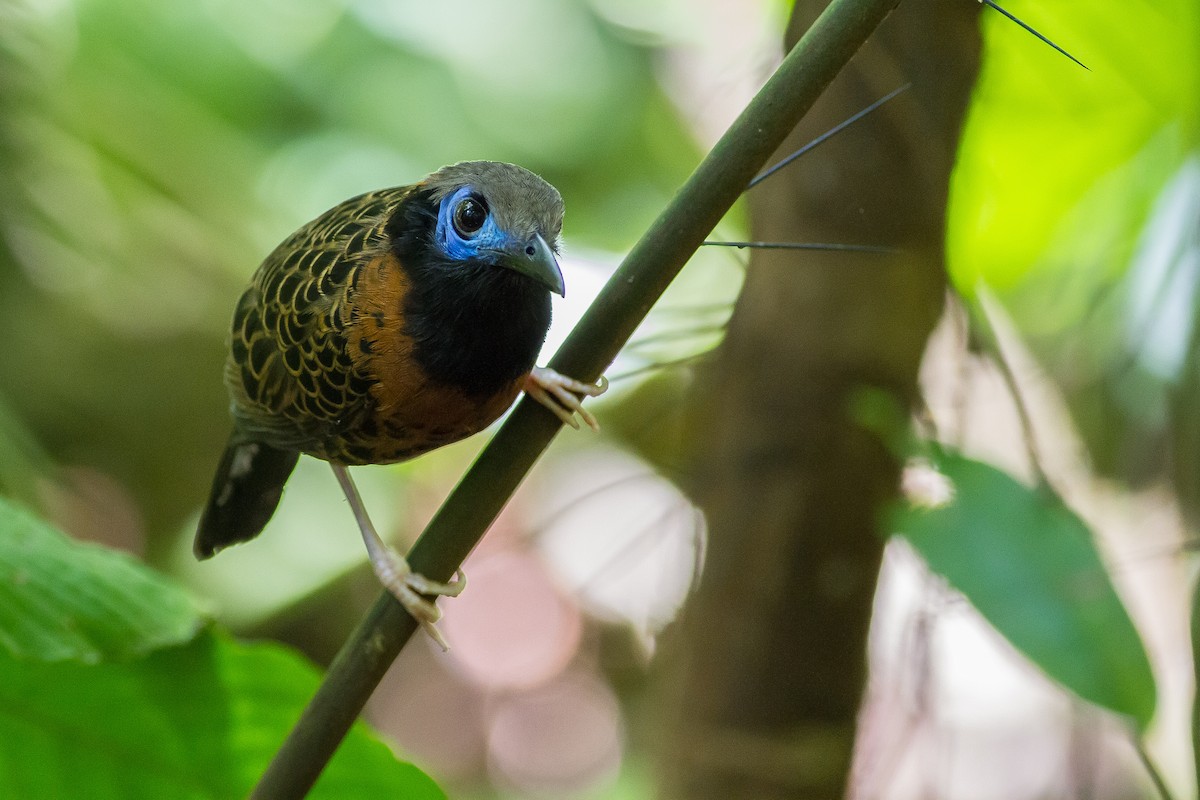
1030, 29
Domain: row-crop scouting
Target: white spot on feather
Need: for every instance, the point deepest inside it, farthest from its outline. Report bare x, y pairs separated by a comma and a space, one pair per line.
243, 462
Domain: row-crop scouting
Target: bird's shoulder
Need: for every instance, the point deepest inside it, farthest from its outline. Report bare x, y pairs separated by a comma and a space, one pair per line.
290, 373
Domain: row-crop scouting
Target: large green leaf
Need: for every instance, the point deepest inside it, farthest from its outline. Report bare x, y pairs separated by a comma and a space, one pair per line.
1031, 567
61, 599
194, 722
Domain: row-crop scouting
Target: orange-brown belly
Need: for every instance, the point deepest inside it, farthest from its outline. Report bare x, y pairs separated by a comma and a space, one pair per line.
431, 417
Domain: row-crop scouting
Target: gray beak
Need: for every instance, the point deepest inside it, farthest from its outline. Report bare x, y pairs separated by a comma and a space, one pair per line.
536, 260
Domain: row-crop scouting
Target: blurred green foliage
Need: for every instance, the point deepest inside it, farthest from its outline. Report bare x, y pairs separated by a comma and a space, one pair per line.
1071, 203
116, 608
198, 721
118, 688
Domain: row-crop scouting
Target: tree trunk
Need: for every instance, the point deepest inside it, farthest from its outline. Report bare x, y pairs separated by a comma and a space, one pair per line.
770, 661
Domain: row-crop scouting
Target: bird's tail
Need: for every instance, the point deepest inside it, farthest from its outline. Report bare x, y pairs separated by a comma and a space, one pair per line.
245, 491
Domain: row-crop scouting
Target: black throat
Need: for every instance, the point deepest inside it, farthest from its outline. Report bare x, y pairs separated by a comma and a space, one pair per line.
475, 326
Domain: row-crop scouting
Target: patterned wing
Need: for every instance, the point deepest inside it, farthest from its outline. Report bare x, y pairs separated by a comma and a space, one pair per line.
290, 377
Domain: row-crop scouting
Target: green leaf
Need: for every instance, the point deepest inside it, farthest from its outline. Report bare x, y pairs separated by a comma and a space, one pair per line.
65, 600
200, 721
1031, 567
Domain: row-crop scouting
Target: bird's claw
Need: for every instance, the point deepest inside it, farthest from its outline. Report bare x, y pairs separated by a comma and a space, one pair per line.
412, 591
561, 395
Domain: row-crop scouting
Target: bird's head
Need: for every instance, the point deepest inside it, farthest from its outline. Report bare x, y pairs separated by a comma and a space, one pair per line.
498, 214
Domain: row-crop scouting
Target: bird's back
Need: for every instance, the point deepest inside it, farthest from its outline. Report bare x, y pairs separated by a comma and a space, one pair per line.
292, 381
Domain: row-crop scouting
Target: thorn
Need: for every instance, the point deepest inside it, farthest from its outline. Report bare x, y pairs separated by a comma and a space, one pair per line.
829, 134
1034, 32
834, 246
657, 365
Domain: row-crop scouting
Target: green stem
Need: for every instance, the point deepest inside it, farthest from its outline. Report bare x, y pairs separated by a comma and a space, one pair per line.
1156, 778
1195, 658
624, 302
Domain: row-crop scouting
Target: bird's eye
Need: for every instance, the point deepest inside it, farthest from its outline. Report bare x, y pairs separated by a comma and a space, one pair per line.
469, 215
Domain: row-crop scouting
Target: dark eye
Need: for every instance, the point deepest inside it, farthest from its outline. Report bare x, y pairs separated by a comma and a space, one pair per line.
469, 215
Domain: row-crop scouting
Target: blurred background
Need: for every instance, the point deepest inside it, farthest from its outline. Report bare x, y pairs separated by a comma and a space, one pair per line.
152, 153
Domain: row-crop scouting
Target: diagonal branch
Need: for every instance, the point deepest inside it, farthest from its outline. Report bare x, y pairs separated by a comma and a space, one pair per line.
624, 302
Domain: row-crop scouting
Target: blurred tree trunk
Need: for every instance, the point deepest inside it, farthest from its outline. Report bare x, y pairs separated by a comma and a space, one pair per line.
770, 662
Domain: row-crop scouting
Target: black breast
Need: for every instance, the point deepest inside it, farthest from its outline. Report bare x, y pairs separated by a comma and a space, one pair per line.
475, 326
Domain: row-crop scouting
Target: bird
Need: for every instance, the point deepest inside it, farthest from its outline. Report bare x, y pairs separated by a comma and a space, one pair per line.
396, 322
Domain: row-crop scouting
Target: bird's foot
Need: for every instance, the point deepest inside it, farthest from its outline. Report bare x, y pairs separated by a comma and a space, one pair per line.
413, 590
561, 395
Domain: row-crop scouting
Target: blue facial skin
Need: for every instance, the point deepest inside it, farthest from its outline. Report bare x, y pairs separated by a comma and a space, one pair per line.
491, 244
487, 243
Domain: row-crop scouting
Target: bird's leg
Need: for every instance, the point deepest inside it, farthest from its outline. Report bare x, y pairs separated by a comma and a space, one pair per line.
560, 394
393, 570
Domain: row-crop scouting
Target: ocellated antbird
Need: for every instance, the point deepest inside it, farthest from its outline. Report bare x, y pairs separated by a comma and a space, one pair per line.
396, 322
